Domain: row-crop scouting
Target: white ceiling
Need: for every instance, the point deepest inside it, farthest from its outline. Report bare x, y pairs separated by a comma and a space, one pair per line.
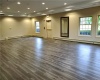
54, 6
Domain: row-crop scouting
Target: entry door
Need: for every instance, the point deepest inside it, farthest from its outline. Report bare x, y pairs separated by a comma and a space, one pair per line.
49, 29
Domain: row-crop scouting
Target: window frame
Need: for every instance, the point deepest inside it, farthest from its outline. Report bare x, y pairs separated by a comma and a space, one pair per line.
97, 27
85, 24
36, 27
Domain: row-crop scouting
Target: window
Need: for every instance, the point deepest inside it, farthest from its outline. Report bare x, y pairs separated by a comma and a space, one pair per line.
98, 25
85, 25
37, 25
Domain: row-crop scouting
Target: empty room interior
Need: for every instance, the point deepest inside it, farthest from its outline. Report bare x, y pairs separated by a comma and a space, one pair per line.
49, 39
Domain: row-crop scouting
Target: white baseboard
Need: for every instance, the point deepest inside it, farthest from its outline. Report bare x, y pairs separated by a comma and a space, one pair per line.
7, 38
56, 38
76, 40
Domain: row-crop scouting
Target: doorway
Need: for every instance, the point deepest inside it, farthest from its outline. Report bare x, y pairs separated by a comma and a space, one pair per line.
49, 29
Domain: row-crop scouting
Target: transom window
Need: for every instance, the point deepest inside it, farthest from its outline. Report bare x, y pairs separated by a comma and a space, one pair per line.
37, 26
85, 25
98, 25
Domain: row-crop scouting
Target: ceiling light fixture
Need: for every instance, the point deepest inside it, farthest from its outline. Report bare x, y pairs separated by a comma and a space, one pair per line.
18, 11
69, 6
68, 9
65, 3
50, 10
34, 11
46, 8
25, 13
18, 2
8, 7
43, 14
28, 8
43, 3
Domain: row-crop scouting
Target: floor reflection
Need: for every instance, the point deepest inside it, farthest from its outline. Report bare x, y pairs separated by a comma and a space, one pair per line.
47, 59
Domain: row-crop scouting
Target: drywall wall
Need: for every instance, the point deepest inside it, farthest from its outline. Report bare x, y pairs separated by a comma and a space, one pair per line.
42, 33
73, 23
14, 26
0, 31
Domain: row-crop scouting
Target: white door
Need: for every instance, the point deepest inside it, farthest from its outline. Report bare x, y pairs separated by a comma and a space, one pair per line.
49, 29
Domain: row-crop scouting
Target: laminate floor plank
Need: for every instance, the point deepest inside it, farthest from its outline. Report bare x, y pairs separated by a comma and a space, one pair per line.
35, 58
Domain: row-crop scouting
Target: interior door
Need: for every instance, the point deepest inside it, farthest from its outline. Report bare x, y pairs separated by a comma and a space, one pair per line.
49, 29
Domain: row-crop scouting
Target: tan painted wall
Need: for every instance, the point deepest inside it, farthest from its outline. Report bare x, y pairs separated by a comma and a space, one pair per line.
12, 27
0, 31
42, 25
74, 23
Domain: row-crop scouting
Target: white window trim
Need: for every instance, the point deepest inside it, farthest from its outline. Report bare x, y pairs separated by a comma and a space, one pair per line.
97, 28
35, 27
79, 29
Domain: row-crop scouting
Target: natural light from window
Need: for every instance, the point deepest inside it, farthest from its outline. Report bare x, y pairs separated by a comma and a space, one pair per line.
99, 25
37, 25
85, 25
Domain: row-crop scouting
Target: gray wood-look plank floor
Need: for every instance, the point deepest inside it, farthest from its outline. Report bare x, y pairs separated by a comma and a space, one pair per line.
46, 59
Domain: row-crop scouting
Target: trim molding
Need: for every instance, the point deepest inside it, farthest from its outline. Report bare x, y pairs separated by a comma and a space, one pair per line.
56, 38
76, 40
7, 38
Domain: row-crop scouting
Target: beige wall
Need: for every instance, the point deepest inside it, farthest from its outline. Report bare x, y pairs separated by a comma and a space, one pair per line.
42, 25
12, 27
74, 23
0, 31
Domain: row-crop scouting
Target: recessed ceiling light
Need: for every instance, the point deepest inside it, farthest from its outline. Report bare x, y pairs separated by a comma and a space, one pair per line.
68, 9
50, 10
69, 6
18, 2
1, 11
18, 11
10, 15
34, 11
43, 3
8, 7
28, 8
43, 14
46, 8
65, 3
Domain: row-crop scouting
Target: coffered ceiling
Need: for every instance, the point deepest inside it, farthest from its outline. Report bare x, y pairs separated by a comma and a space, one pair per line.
33, 8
